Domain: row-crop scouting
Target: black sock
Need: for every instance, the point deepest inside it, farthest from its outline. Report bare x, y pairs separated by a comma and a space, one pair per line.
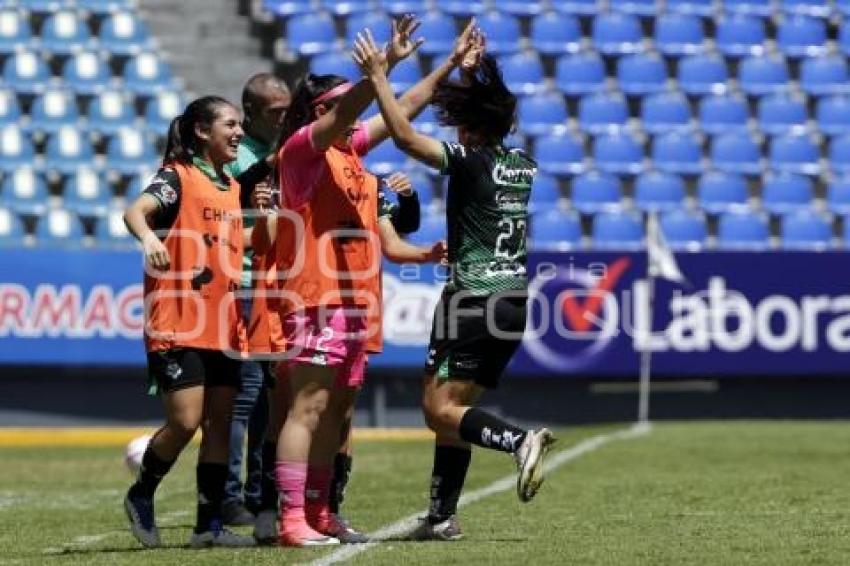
447, 477
268, 486
342, 470
150, 474
211, 480
481, 428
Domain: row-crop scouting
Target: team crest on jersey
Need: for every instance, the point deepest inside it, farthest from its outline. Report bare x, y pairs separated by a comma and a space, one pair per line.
167, 193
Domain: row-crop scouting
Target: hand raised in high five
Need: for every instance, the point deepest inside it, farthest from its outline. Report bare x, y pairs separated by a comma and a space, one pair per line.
464, 43
368, 56
475, 48
402, 44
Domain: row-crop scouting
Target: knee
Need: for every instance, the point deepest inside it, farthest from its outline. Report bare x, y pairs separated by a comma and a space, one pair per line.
184, 427
308, 409
438, 416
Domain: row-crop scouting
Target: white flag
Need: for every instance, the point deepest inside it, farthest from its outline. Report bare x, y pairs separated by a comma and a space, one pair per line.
662, 262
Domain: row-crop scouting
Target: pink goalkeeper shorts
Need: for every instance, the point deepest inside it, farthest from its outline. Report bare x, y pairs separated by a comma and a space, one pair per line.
325, 336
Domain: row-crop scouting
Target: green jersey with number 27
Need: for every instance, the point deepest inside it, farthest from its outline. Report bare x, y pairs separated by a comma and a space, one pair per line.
487, 216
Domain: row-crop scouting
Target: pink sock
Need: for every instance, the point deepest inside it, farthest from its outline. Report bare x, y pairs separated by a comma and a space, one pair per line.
291, 478
317, 494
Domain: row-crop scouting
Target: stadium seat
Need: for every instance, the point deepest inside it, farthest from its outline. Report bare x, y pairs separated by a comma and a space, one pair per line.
59, 226
636, 7
814, 8
641, 74
844, 37
555, 230
684, 229
824, 75
740, 36
67, 150
839, 154
838, 195
723, 113
665, 112
801, 36
161, 110
463, 8
523, 72
502, 32
785, 192
64, 33
595, 191
618, 153
763, 75
15, 31
617, 229
440, 30
11, 228
677, 153
24, 191
719, 192
377, 22
704, 8
110, 230
128, 152
346, 7
555, 34
336, 62
86, 73
426, 122
10, 108
559, 154
106, 6
25, 72
679, 34
736, 153
782, 114
743, 229
580, 73
762, 8
311, 34
384, 159
146, 74
703, 74
522, 8
16, 149
112, 110
124, 33
545, 193
616, 34
543, 114
603, 112
577, 7
288, 8
432, 228
86, 193
52, 110
657, 190
406, 74
795, 154
806, 230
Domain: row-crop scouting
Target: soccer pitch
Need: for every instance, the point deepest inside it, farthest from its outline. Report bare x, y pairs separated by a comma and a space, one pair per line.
697, 493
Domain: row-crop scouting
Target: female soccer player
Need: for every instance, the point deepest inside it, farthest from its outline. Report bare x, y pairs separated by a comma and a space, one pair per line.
190, 226
480, 319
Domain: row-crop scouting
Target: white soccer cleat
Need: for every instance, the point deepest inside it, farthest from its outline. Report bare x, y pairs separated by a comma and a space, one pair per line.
529, 458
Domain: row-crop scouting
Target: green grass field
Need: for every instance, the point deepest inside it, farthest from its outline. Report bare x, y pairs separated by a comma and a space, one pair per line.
705, 493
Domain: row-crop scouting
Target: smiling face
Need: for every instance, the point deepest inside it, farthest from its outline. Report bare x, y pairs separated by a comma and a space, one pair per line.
221, 138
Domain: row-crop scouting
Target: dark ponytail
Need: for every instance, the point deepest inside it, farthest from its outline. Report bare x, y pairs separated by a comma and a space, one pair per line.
300, 112
183, 144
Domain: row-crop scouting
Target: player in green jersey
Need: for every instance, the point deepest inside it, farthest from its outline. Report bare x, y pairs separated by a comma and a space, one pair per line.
481, 316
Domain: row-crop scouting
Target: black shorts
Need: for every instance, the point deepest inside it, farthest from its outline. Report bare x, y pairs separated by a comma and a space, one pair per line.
179, 368
474, 337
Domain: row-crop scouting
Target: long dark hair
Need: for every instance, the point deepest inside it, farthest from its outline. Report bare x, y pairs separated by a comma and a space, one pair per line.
183, 144
300, 112
483, 105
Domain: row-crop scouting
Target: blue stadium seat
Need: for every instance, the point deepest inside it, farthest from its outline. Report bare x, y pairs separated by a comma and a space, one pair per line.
846, 231
86, 193
703, 74
595, 191
657, 190
723, 113
824, 75
10, 108
523, 72
335, 62
580, 73
618, 153
112, 110
839, 154
110, 230
517, 140
128, 152
58, 227
762, 8
617, 229
16, 149
740, 36
64, 32
684, 229
743, 229
86, 73
665, 112
679, 34
559, 154
785, 192
838, 196
400, 7
522, 8
52, 110
406, 74
124, 33
555, 230
40, 7
26, 72
311, 33
502, 32
677, 153
347, 7
11, 228
67, 150
602, 112
543, 114
795, 154
425, 122
736, 153
431, 229
464, 8
161, 110
801, 36
636, 7
815, 8
718, 192
24, 191
617, 34
384, 159
378, 24
287, 8
555, 34
577, 7
704, 8
440, 30
15, 31
146, 74
782, 114
641, 74
806, 230
842, 7
105, 6
545, 194
763, 75
844, 36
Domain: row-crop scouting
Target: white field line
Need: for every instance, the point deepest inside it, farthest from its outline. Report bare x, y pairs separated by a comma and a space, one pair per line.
506, 483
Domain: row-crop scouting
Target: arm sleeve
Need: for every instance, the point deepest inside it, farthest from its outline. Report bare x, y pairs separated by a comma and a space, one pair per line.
456, 158
165, 188
249, 178
301, 166
406, 216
